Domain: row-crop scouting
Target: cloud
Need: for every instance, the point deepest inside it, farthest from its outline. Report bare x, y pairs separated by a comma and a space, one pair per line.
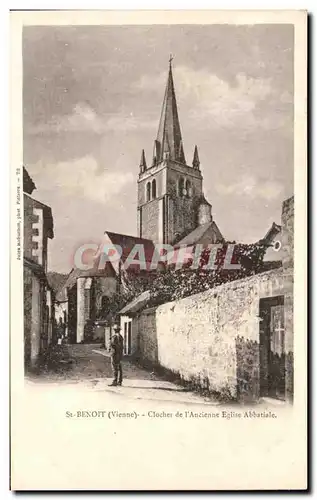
253, 188
81, 178
85, 119
211, 101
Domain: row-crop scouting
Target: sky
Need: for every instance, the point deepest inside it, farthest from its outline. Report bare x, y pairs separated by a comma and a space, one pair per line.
92, 97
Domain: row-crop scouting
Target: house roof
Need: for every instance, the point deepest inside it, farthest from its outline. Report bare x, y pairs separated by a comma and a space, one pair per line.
195, 236
28, 184
56, 281
136, 304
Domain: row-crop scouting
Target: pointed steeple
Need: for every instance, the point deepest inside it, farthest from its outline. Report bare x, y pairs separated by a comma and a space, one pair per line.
168, 143
196, 162
142, 162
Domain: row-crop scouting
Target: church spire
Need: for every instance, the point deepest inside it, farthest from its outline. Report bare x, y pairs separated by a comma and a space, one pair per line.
196, 161
168, 143
142, 162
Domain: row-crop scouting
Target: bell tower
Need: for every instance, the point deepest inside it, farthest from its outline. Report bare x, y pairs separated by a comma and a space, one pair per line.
169, 190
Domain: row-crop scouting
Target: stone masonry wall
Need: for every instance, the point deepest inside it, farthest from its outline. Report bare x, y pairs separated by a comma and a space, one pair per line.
150, 220
146, 325
212, 338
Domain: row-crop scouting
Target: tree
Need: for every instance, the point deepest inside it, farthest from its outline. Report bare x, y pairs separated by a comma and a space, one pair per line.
172, 284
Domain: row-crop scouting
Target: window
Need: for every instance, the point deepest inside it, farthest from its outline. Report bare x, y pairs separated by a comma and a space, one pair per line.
188, 188
181, 186
148, 191
153, 189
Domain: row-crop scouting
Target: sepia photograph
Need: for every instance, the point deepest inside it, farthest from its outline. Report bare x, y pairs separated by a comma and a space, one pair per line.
156, 199
211, 165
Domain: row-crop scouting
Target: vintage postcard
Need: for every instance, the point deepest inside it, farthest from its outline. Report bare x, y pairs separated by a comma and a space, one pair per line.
158, 250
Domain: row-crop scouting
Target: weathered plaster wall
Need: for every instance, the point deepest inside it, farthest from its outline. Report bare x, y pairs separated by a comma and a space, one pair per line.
145, 325
212, 338
27, 315
37, 320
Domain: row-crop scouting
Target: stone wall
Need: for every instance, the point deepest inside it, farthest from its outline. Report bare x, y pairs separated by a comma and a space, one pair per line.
145, 324
212, 338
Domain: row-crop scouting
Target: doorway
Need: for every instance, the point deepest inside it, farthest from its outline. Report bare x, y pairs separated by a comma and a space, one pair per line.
72, 315
272, 347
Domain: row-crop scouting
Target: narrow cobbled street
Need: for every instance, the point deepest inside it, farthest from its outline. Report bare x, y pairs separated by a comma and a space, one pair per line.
75, 420
87, 367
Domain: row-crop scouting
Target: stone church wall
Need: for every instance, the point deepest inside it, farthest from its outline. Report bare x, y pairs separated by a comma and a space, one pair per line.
182, 211
217, 347
150, 220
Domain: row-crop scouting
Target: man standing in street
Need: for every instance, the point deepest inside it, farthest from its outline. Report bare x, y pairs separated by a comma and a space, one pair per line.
116, 347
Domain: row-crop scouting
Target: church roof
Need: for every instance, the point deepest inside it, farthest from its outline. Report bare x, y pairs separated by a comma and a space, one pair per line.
106, 272
169, 137
127, 243
197, 234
